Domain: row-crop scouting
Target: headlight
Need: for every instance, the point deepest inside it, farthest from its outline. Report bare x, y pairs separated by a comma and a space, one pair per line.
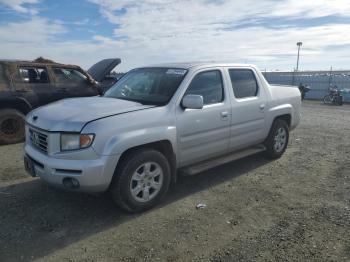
76, 141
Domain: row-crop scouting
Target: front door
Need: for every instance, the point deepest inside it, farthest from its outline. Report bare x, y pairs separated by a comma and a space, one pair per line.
204, 133
248, 109
70, 82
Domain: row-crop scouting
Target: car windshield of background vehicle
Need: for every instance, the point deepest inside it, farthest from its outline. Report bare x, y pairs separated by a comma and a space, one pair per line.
154, 86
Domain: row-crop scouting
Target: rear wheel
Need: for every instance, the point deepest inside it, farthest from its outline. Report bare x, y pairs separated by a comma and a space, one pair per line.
11, 126
340, 100
277, 141
141, 180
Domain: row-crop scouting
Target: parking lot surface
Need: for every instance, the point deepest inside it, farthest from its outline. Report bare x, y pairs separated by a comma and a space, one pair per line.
296, 208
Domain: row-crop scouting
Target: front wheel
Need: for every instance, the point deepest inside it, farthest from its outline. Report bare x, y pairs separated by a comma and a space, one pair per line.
277, 141
327, 99
141, 180
11, 126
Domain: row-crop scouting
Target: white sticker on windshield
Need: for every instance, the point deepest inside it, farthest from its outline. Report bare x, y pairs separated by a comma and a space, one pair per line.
176, 72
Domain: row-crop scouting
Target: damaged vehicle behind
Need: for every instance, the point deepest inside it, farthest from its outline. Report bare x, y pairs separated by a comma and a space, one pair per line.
26, 85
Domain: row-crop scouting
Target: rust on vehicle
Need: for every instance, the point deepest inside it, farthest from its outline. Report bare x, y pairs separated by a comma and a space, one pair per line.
25, 85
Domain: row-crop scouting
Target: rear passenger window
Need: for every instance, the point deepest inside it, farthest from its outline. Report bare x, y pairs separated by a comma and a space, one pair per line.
209, 85
243, 83
33, 75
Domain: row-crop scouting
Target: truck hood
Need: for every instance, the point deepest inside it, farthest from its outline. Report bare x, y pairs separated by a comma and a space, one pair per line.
72, 114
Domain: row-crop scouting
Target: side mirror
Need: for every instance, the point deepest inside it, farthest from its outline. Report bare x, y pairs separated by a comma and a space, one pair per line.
193, 102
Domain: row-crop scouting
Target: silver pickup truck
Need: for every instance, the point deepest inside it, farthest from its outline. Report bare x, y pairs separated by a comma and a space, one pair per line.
155, 123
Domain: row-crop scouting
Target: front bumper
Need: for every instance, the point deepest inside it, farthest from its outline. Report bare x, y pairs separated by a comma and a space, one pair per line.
93, 175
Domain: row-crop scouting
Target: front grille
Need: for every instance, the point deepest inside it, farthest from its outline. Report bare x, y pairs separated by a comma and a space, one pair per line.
38, 139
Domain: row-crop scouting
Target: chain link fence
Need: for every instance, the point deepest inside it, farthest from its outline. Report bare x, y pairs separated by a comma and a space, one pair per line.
319, 81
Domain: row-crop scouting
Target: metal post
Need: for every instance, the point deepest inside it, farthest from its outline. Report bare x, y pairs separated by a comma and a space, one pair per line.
330, 79
299, 44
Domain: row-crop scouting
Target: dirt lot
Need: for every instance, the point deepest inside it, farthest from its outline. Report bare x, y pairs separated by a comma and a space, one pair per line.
293, 209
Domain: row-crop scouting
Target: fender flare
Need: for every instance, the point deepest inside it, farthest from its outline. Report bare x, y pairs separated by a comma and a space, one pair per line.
21, 100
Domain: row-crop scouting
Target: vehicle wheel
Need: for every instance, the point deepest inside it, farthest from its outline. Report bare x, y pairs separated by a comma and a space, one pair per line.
11, 126
141, 180
340, 100
277, 141
327, 99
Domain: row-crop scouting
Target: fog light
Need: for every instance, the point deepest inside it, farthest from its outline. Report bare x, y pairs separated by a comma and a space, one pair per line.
70, 182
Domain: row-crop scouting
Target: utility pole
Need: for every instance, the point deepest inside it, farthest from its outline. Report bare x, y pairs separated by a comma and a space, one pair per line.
299, 44
330, 79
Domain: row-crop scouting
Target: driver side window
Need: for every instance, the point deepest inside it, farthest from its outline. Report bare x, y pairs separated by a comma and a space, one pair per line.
209, 85
68, 75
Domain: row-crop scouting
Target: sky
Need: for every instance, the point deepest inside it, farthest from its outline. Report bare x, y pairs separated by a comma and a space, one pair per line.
145, 32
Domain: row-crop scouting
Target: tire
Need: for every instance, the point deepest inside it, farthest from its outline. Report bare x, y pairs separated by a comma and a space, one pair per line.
136, 175
340, 100
12, 126
327, 99
277, 140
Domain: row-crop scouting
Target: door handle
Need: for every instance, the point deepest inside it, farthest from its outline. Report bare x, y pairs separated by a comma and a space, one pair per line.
262, 106
224, 114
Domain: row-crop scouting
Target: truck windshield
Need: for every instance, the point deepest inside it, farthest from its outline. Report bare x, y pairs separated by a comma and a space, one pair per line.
153, 86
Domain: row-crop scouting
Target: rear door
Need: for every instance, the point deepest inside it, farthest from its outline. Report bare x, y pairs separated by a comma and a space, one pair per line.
34, 84
5, 81
204, 133
249, 100
70, 82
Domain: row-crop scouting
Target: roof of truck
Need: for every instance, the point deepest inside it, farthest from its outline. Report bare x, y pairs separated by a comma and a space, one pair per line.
188, 65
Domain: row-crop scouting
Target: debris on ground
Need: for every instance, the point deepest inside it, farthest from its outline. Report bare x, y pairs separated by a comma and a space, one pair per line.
201, 206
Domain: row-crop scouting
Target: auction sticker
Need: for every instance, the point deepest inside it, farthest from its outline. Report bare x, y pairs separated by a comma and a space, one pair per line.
176, 71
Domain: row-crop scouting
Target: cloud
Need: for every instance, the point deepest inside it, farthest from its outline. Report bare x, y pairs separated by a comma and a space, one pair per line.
18, 5
311, 8
200, 30
36, 31
156, 19
155, 31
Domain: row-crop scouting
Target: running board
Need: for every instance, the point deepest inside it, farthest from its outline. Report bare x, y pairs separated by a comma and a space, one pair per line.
208, 164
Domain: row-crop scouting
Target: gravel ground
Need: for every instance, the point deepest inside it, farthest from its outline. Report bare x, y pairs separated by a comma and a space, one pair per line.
292, 209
